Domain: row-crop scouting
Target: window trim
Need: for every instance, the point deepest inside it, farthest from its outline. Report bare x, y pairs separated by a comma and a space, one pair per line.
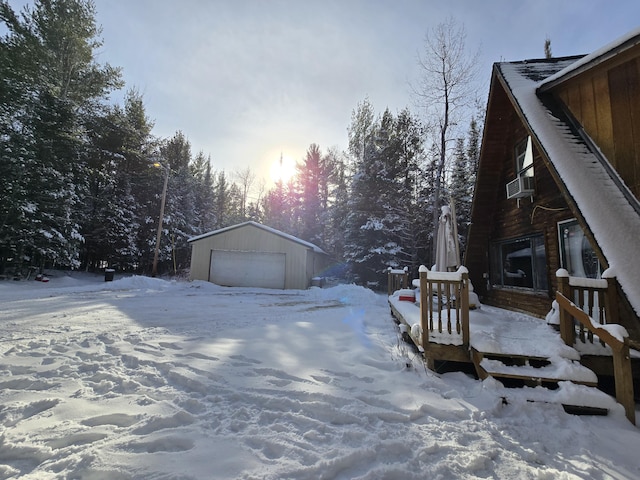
520, 154
540, 283
561, 246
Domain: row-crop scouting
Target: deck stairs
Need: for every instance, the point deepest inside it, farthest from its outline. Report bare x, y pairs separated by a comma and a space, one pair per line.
520, 352
564, 381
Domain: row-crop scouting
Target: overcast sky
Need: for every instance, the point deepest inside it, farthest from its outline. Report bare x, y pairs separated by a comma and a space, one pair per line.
245, 80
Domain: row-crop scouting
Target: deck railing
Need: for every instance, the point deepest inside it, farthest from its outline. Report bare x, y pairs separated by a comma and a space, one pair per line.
444, 303
397, 279
578, 299
595, 297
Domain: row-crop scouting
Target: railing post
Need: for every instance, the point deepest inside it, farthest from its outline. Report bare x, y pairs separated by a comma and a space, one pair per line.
624, 380
611, 301
464, 291
567, 332
424, 308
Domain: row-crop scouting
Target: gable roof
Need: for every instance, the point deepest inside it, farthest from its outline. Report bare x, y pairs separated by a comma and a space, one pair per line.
291, 238
603, 54
598, 191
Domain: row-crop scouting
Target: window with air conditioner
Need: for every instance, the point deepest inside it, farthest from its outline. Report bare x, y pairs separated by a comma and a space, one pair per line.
523, 185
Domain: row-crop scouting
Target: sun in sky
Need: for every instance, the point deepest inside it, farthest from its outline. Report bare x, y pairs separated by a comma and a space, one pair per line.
283, 169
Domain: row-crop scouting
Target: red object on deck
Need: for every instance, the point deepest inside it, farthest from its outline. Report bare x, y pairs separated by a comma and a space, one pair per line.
407, 296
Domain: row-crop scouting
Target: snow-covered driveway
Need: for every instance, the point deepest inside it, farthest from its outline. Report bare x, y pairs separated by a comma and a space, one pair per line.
144, 378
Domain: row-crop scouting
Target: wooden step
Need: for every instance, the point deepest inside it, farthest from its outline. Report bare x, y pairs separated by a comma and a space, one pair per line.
574, 399
532, 370
553, 373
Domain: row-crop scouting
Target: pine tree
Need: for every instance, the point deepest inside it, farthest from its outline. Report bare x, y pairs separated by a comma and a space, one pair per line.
362, 206
221, 201
381, 226
118, 169
204, 193
547, 48
180, 219
52, 90
460, 191
473, 158
335, 217
310, 178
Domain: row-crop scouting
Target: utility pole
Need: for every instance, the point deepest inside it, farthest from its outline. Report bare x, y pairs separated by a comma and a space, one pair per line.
154, 270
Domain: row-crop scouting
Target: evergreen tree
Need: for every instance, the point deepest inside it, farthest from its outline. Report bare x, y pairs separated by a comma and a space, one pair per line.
360, 226
409, 225
335, 216
281, 207
204, 193
381, 223
460, 191
180, 219
118, 174
547, 48
51, 90
473, 158
427, 203
221, 201
310, 177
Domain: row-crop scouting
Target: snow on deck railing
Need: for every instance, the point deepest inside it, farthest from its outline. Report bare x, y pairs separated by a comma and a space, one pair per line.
447, 276
596, 297
569, 312
604, 293
588, 282
397, 279
444, 303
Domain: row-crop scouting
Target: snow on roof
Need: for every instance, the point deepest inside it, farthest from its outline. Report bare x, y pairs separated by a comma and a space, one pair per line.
315, 248
611, 218
626, 41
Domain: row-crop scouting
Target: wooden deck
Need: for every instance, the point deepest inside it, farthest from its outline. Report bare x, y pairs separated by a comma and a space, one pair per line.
513, 348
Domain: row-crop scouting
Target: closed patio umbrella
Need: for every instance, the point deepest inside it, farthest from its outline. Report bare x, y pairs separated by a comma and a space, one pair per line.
447, 247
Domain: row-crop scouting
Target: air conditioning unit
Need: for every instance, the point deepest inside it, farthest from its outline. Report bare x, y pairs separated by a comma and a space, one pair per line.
522, 186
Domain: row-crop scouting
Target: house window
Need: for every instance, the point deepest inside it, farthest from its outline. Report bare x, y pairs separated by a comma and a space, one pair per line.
524, 158
576, 254
519, 263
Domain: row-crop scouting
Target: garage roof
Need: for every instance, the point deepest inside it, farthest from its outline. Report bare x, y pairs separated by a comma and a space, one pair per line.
315, 248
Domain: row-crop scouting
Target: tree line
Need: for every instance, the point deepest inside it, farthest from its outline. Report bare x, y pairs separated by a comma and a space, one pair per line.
81, 179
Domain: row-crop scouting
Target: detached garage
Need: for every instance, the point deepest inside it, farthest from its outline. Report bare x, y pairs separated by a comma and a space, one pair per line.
254, 255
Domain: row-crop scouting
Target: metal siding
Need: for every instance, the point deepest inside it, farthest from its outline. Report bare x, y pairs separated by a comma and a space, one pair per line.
252, 239
247, 269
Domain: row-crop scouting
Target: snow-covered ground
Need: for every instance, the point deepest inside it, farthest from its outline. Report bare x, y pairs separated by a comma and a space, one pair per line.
146, 378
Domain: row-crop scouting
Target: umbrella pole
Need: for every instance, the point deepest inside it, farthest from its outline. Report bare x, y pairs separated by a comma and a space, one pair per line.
454, 226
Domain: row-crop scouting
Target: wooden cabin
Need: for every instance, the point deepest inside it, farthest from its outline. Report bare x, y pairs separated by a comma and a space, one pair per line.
558, 182
555, 231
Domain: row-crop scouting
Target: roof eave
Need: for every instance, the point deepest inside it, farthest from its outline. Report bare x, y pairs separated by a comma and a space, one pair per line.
588, 62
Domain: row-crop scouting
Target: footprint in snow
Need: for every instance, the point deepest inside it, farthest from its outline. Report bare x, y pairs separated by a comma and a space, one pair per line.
83, 438
242, 361
169, 443
198, 356
117, 419
180, 419
27, 384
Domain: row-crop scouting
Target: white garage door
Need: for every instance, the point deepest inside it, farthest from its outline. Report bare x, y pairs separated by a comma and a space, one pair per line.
247, 269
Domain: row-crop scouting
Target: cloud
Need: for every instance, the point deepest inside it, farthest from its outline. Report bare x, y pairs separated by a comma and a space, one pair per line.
246, 79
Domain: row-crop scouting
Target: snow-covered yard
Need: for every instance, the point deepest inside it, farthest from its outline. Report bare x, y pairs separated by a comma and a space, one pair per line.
145, 378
